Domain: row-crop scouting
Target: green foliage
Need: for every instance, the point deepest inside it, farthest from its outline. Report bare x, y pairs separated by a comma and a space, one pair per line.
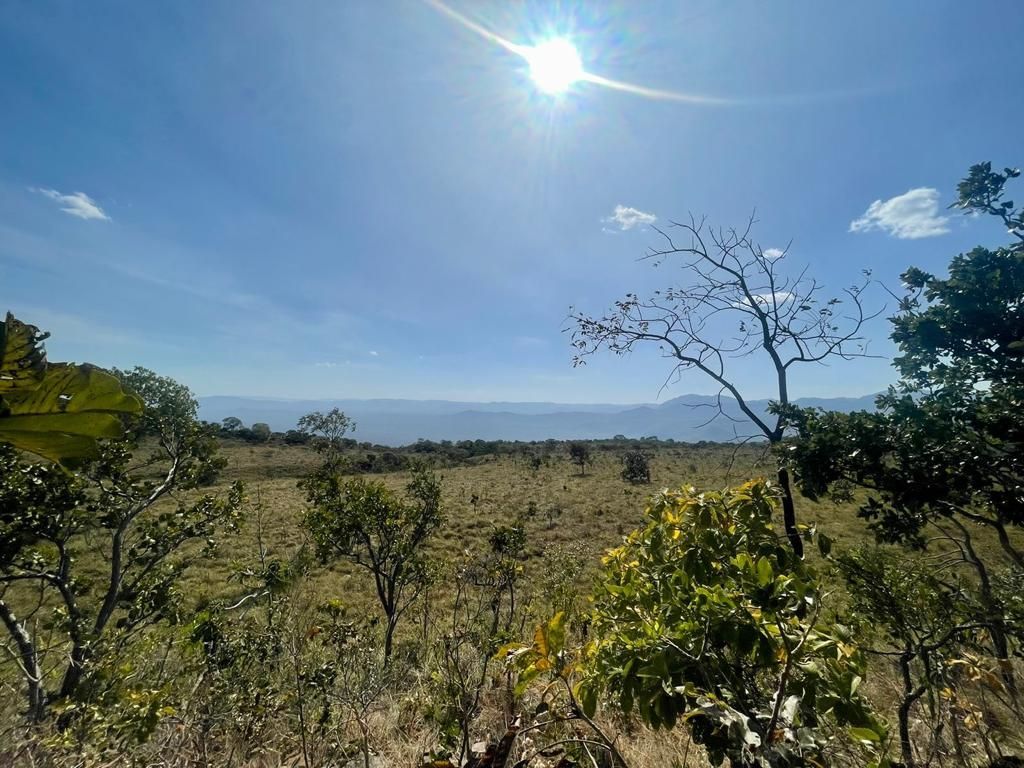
57, 411
579, 454
169, 408
636, 467
927, 620
231, 424
705, 617
546, 654
22, 356
326, 432
969, 326
485, 612
946, 441
370, 525
116, 510
941, 457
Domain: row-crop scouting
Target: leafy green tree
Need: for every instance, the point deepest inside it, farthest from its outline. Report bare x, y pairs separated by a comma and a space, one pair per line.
706, 617
942, 455
735, 301
119, 509
231, 424
261, 431
371, 526
327, 432
579, 454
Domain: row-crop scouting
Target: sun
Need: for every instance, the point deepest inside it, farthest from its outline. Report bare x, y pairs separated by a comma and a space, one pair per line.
554, 65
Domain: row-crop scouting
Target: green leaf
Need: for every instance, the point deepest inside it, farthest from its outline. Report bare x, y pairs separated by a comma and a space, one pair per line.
764, 572
22, 356
824, 544
62, 417
556, 633
865, 734
587, 695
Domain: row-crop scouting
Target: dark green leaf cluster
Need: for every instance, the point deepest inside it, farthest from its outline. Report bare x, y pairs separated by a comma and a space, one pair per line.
636, 467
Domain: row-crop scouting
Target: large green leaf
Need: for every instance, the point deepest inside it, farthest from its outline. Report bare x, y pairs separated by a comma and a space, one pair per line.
62, 417
22, 356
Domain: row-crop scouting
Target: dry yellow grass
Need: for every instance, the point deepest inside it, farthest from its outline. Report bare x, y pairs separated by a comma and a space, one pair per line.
593, 510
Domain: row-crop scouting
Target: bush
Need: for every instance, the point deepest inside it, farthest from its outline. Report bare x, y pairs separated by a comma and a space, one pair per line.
706, 617
295, 437
636, 467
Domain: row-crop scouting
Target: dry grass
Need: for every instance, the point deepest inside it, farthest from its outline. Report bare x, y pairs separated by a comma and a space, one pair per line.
595, 509
592, 511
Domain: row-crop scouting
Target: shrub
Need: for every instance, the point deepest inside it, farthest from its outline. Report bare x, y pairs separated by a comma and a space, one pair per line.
706, 617
636, 467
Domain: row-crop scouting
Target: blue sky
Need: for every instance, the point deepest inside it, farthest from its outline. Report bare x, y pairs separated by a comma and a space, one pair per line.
365, 199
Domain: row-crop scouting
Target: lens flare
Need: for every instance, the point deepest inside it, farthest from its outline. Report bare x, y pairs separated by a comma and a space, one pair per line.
554, 65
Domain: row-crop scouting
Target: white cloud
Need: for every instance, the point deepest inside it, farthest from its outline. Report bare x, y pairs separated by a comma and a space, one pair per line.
765, 299
912, 215
625, 218
773, 253
76, 204
374, 353
325, 365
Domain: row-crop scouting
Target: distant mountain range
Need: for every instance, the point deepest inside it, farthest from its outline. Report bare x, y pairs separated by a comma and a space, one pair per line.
400, 422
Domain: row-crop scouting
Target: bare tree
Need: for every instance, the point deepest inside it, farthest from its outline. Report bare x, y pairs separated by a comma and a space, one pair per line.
736, 300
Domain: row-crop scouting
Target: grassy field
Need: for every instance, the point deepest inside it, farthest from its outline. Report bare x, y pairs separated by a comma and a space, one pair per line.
562, 511
592, 511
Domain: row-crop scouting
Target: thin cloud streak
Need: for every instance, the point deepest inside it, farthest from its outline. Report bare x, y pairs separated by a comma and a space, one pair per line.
76, 204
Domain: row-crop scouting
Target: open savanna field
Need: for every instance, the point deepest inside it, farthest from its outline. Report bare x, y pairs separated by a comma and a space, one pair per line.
558, 506
570, 520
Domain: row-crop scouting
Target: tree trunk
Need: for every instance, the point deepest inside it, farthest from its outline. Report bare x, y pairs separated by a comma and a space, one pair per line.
1007, 545
993, 613
910, 695
789, 514
389, 637
29, 663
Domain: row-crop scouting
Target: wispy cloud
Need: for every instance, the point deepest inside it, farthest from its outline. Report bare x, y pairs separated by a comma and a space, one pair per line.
910, 216
374, 353
76, 204
626, 218
773, 253
529, 342
764, 300
325, 365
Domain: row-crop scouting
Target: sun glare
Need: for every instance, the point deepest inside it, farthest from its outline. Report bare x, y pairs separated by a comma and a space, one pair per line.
554, 65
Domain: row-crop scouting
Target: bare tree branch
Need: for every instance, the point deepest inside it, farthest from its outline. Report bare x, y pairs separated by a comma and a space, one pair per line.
733, 301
